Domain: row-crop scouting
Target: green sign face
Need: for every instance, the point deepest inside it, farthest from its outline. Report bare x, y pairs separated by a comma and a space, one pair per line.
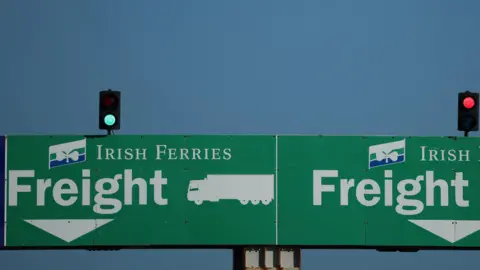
379, 191
72, 191
140, 190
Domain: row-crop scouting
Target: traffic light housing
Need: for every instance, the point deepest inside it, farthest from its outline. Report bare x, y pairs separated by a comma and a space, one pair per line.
109, 110
467, 111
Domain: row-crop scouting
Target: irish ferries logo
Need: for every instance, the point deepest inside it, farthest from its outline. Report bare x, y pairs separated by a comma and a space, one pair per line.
67, 153
386, 154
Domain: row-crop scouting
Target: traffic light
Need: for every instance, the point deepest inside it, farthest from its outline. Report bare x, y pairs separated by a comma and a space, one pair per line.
467, 111
109, 110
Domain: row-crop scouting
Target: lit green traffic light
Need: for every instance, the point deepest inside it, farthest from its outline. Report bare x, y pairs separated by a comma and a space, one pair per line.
109, 119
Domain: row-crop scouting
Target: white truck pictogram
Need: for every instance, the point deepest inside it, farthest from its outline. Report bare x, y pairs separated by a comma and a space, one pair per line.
243, 187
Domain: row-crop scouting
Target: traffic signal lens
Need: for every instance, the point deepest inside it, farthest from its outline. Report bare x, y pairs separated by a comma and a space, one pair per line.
468, 123
468, 102
109, 119
108, 101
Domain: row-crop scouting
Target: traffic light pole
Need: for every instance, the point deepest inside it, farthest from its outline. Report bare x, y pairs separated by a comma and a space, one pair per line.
465, 133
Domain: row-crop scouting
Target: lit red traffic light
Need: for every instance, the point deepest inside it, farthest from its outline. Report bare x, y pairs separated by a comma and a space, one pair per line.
468, 102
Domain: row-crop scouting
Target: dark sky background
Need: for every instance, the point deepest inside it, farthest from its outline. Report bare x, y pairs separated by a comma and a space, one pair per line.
373, 67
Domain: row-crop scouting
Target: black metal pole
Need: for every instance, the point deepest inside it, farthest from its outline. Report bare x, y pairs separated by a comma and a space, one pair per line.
238, 258
109, 132
465, 133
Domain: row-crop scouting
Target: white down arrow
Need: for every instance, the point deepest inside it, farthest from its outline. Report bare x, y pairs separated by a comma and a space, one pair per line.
68, 229
450, 230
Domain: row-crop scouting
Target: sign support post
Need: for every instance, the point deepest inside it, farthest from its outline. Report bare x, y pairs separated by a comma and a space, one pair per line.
238, 258
272, 258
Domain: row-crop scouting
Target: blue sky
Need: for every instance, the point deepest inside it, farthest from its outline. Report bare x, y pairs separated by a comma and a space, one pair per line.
331, 67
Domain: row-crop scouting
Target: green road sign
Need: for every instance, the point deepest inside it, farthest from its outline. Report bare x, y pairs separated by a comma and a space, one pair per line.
140, 190
379, 191
211, 191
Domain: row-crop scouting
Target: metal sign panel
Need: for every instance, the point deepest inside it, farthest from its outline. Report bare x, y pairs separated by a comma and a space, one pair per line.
140, 190
379, 191
2, 191
211, 190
